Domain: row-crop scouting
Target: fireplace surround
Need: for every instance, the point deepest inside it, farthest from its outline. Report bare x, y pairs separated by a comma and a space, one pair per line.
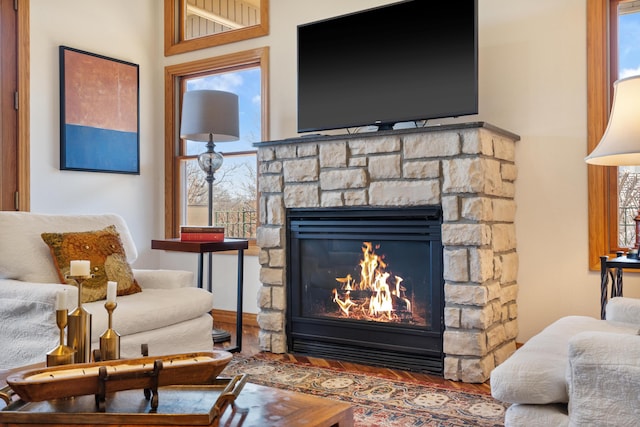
466, 169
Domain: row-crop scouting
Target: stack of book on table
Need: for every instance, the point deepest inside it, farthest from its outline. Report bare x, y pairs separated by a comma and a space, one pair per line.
189, 233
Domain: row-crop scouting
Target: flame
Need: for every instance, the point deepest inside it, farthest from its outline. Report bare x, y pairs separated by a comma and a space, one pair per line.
344, 305
373, 279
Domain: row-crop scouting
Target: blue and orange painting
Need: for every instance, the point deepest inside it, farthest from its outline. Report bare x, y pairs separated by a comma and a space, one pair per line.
99, 110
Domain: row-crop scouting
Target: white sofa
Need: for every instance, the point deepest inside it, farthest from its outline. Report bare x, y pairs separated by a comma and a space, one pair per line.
171, 315
578, 371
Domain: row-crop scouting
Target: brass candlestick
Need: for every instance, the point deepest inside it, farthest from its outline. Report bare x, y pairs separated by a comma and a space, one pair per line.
62, 354
110, 339
79, 333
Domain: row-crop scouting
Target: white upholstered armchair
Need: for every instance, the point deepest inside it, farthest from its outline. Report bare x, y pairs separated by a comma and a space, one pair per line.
170, 314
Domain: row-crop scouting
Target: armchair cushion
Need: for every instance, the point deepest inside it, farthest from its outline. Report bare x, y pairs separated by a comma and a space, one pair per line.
103, 248
151, 309
163, 279
604, 379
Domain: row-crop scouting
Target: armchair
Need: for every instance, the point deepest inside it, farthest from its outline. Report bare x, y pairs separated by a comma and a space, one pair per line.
170, 314
579, 371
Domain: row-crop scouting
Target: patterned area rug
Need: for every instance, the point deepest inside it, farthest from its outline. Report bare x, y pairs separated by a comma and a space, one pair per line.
377, 402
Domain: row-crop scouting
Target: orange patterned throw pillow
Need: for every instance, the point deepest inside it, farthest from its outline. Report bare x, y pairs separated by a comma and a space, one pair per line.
103, 248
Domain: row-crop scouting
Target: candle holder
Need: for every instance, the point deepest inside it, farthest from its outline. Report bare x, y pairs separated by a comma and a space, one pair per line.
62, 354
110, 339
79, 333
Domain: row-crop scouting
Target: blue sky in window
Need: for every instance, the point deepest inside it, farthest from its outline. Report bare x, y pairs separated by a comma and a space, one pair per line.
629, 44
246, 84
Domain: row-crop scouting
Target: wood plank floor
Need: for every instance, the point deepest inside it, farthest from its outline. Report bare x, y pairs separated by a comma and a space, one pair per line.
251, 347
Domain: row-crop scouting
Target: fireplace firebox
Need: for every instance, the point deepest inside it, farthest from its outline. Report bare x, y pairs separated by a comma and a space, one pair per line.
366, 285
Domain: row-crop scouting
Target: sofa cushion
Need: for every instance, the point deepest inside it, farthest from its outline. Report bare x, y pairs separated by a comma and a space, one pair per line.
23, 254
555, 415
103, 248
621, 309
536, 372
604, 378
150, 309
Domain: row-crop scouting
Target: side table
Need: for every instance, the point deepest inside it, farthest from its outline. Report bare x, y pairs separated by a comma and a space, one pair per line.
613, 268
201, 248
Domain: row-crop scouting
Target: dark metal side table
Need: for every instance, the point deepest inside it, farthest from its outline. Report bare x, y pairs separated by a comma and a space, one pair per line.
238, 245
613, 269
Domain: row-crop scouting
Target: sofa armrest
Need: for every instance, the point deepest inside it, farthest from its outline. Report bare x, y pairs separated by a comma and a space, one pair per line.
621, 309
604, 379
28, 319
42, 293
163, 279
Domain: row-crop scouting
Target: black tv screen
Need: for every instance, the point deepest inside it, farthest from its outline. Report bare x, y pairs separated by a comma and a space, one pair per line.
407, 61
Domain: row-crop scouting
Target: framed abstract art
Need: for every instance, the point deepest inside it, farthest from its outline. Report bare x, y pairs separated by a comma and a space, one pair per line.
99, 113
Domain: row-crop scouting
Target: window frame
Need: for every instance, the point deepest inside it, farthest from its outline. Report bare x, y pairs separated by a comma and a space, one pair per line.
602, 180
174, 74
174, 41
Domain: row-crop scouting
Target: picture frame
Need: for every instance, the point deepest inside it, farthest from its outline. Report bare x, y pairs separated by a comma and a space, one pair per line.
99, 113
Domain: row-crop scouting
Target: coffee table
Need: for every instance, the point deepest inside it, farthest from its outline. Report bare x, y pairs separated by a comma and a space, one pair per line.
256, 406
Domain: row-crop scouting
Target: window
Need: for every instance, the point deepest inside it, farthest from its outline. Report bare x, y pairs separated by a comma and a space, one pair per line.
235, 186
612, 53
602, 181
190, 25
628, 64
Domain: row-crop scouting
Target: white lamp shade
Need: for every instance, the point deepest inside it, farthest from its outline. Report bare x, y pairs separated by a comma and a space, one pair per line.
620, 144
209, 112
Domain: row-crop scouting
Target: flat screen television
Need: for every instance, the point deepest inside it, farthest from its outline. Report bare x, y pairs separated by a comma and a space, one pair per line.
407, 61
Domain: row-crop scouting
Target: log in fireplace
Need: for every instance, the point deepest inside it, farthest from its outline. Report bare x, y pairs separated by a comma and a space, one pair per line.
366, 285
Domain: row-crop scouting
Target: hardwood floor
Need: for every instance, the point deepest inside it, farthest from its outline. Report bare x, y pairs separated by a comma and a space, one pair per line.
250, 347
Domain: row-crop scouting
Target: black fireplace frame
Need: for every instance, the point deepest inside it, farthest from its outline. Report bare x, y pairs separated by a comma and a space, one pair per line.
376, 343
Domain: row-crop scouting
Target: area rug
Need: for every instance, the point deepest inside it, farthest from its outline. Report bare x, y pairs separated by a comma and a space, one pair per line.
377, 401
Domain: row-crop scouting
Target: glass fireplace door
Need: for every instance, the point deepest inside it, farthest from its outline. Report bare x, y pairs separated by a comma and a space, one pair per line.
366, 285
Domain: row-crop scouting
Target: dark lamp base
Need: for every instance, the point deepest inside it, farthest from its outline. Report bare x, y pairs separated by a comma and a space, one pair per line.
220, 335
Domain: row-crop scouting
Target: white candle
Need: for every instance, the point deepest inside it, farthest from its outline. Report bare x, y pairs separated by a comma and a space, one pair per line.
61, 300
112, 288
80, 268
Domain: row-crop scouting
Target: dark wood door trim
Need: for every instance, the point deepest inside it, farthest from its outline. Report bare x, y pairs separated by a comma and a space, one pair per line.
24, 164
14, 105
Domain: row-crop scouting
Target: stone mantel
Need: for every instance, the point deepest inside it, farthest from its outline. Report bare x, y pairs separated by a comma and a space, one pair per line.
468, 169
315, 137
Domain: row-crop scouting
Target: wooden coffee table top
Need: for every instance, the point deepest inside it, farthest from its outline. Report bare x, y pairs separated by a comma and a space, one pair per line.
256, 405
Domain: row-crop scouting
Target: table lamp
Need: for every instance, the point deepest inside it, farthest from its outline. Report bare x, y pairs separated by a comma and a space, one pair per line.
620, 144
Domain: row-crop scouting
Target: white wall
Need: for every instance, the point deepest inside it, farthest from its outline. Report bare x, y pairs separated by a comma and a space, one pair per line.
120, 29
532, 82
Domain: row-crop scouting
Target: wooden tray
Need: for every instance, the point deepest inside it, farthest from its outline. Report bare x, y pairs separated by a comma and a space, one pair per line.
197, 405
111, 376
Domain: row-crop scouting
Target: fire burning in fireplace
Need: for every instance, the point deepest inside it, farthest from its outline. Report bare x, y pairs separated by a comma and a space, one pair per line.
377, 295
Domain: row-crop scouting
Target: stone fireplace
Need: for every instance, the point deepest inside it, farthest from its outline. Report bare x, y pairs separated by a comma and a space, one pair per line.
466, 170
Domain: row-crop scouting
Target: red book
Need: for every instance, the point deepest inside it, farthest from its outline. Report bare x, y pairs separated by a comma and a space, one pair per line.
201, 229
202, 237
